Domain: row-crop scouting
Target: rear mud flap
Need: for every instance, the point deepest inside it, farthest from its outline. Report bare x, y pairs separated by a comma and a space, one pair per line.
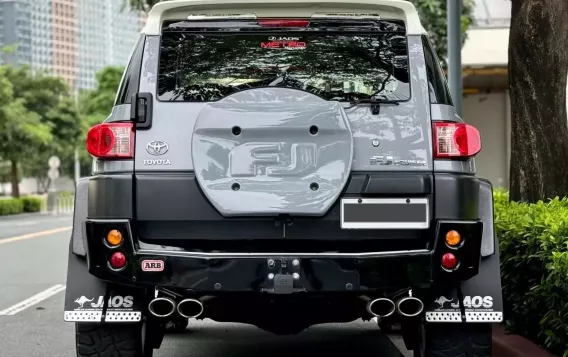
477, 300
88, 299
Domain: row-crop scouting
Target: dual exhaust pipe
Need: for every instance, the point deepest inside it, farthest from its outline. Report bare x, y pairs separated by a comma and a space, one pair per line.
382, 307
408, 307
164, 307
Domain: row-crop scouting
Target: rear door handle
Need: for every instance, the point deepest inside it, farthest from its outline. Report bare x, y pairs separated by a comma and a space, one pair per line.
141, 110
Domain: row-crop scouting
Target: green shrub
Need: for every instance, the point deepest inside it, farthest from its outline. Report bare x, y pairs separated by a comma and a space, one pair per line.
11, 206
534, 266
32, 204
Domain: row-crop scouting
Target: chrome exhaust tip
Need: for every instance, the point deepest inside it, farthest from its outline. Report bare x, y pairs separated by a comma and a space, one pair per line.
162, 307
381, 307
190, 308
410, 306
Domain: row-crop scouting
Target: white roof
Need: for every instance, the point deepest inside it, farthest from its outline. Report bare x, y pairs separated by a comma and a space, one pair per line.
181, 9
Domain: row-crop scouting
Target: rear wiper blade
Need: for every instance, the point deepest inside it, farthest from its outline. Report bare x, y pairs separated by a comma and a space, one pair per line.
375, 104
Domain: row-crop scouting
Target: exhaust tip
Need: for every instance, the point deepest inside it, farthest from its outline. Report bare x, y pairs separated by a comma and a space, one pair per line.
381, 307
410, 306
162, 307
190, 308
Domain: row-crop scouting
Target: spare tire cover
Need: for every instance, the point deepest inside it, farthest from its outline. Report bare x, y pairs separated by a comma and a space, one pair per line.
272, 151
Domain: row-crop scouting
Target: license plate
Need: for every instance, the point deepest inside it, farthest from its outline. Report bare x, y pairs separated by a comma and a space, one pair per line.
385, 213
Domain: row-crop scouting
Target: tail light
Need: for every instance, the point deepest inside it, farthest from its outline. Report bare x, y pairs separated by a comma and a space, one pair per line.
117, 260
111, 141
449, 261
456, 140
283, 22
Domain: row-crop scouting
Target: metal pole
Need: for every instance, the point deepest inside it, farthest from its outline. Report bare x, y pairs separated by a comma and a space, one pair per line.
454, 9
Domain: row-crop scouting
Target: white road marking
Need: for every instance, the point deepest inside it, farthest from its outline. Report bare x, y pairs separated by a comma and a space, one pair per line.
34, 235
21, 306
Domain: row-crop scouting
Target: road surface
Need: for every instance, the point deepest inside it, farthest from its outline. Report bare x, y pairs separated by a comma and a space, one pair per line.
33, 262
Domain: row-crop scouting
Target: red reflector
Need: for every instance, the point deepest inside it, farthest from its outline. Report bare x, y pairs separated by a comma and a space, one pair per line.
283, 23
117, 260
449, 261
456, 140
111, 140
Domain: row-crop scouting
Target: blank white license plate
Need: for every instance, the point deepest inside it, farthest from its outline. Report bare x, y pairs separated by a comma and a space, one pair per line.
385, 213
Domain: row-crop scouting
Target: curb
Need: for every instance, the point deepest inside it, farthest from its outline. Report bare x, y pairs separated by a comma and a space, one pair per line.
23, 215
509, 345
13, 217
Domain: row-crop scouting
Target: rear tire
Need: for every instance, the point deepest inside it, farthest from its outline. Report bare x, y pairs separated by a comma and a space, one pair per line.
449, 340
109, 340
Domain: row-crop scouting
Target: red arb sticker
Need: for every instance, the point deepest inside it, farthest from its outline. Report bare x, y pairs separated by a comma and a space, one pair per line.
152, 265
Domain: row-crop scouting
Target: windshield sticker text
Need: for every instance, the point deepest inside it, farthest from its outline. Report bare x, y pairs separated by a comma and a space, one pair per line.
284, 44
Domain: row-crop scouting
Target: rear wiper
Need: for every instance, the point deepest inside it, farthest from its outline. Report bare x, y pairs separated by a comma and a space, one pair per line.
375, 104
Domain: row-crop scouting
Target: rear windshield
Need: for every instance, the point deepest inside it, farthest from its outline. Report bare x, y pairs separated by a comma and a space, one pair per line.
207, 67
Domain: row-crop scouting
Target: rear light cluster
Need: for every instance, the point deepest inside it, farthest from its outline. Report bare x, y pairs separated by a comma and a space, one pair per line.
453, 241
455, 140
114, 239
111, 141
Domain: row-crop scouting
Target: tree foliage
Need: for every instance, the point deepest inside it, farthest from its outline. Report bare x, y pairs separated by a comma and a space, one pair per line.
142, 5
101, 100
38, 119
433, 16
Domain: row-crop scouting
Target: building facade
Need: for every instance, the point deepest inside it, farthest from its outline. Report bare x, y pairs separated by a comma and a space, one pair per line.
69, 38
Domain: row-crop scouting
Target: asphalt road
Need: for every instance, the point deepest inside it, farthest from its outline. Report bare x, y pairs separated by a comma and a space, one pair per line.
33, 262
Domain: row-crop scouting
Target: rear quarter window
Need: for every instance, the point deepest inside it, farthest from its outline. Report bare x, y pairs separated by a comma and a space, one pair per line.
437, 84
345, 67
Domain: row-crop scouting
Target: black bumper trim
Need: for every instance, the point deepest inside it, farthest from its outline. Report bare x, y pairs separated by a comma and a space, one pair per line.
318, 272
207, 255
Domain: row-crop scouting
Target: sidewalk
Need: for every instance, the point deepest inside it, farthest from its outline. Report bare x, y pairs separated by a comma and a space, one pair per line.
505, 345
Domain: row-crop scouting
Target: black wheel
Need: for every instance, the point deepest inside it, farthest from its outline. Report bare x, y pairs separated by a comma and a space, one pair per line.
449, 340
108, 340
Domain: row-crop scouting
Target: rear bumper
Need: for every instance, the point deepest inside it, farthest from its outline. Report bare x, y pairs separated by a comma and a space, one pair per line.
210, 272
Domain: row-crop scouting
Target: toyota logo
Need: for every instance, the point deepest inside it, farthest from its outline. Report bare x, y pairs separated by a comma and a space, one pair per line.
157, 148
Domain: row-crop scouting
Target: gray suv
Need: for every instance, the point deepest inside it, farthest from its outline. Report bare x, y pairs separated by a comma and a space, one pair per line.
283, 163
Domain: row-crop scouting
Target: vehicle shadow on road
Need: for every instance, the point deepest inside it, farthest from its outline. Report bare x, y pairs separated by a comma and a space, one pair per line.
234, 340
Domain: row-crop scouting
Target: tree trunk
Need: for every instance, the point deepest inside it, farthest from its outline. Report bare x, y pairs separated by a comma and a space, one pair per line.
15, 179
538, 69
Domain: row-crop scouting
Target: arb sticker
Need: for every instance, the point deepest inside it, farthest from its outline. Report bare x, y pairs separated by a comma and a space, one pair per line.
152, 265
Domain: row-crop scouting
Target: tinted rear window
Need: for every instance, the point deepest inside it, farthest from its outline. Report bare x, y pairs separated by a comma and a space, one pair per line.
344, 67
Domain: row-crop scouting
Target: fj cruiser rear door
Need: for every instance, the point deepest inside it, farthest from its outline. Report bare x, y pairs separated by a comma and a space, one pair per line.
259, 128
